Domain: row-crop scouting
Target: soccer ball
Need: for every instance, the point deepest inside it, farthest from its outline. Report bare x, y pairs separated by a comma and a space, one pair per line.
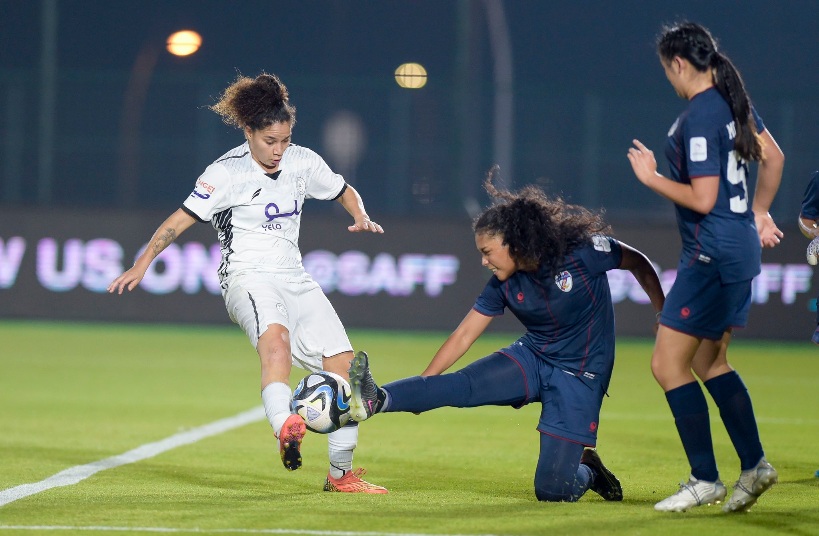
323, 401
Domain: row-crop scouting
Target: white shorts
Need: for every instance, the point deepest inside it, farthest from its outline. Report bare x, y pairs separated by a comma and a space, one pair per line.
254, 300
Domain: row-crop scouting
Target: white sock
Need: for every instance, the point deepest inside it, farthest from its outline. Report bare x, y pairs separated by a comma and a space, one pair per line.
340, 446
276, 398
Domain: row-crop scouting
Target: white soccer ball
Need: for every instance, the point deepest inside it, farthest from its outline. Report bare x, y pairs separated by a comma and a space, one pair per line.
323, 401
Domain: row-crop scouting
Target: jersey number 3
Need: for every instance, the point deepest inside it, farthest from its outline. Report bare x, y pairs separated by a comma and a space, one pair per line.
738, 176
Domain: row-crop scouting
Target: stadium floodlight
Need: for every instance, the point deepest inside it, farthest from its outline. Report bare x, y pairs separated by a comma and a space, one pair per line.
411, 75
184, 42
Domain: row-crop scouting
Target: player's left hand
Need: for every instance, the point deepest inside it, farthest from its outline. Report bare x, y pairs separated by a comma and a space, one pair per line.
769, 234
365, 225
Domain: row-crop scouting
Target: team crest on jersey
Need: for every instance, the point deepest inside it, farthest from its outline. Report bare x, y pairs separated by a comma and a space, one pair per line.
282, 309
301, 186
563, 280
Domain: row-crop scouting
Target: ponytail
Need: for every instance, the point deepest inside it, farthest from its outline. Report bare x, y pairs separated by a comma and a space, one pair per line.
729, 83
695, 43
256, 103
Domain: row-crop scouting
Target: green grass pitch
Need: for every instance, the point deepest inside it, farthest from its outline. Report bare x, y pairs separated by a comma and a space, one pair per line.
73, 394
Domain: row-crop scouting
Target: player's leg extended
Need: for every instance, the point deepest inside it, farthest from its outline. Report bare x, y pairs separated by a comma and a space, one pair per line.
341, 444
275, 358
493, 380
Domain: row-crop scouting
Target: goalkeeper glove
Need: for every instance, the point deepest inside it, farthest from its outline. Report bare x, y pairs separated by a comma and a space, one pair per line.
813, 252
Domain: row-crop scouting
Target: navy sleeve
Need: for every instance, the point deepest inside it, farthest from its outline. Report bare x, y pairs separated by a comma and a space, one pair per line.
491, 302
603, 255
810, 202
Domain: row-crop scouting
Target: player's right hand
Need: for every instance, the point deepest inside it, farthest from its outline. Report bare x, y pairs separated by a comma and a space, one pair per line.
129, 279
642, 162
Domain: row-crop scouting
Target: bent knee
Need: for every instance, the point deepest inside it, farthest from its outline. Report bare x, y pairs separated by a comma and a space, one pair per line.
549, 495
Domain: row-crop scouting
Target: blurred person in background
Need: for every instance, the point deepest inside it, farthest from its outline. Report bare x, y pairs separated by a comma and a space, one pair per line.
254, 195
708, 150
549, 261
808, 224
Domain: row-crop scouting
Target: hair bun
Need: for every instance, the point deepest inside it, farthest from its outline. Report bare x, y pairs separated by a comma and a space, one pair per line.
274, 87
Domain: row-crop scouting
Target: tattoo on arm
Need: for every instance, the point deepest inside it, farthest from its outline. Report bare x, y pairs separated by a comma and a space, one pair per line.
163, 240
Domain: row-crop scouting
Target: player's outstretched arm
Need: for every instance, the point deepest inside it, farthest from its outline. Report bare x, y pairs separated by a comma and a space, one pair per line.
456, 345
353, 204
643, 271
170, 229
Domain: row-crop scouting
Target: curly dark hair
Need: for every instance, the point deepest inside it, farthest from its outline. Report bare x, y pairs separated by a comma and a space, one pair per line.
540, 230
255, 103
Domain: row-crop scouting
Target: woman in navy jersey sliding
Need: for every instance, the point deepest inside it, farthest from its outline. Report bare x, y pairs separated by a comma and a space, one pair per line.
253, 196
549, 261
709, 147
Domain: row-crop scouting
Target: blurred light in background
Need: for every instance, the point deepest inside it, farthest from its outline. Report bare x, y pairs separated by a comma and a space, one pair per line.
411, 76
345, 139
184, 43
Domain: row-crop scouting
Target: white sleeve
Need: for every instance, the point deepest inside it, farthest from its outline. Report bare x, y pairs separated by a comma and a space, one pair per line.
324, 183
211, 194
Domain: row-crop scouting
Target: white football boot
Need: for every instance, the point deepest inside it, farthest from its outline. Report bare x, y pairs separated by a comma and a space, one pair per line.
751, 484
693, 493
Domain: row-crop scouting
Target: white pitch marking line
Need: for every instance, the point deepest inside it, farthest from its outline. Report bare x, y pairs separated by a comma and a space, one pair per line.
220, 531
75, 474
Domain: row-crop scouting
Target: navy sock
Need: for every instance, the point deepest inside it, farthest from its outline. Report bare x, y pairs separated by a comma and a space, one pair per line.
690, 410
737, 412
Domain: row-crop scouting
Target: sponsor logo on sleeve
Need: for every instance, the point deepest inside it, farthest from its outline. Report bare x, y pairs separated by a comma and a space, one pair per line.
208, 188
698, 149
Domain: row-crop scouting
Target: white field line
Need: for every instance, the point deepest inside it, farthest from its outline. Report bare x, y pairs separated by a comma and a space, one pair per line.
196, 530
76, 474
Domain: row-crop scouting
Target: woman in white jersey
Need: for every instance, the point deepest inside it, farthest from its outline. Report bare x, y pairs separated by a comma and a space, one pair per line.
253, 196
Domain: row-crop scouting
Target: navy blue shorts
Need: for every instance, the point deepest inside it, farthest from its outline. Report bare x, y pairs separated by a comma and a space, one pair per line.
570, 402
700, 304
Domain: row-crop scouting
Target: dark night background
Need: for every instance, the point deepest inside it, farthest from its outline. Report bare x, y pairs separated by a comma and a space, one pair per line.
583, 81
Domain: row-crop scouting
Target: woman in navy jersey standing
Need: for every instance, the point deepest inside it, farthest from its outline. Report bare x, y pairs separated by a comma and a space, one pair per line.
549, 262
709, 149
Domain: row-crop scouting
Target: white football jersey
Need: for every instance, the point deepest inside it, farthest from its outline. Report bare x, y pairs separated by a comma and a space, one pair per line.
258, 217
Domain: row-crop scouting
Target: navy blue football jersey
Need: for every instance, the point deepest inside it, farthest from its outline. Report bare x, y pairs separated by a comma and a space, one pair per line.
701, 144
569, 318
810, 201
